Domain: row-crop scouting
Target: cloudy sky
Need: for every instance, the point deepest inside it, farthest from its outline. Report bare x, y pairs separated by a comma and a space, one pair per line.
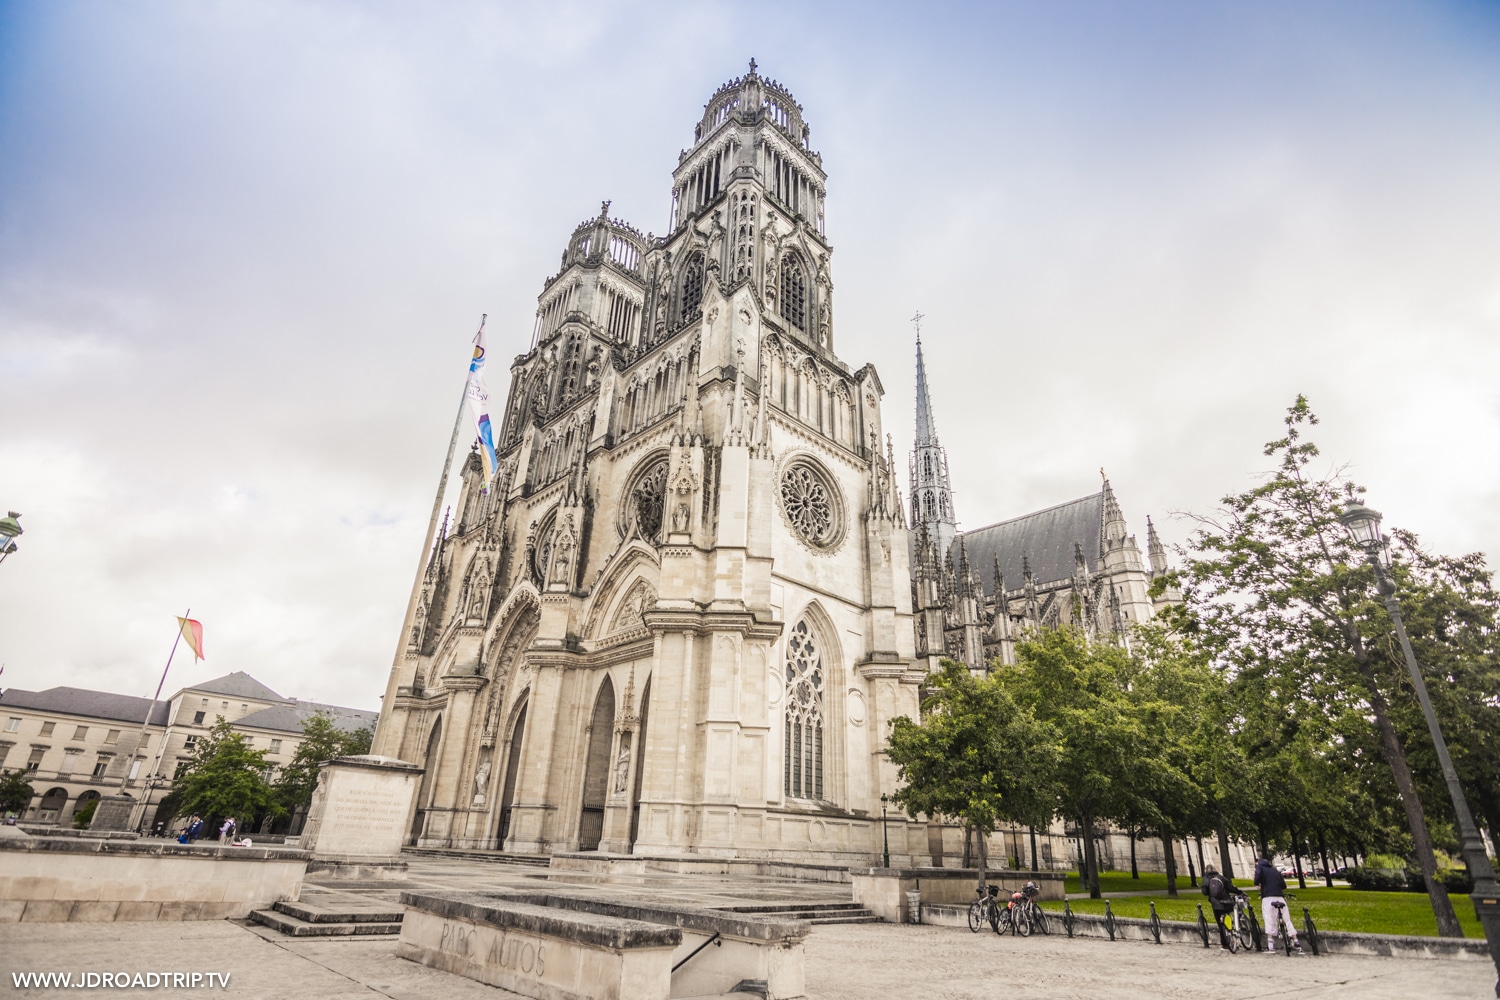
243, 248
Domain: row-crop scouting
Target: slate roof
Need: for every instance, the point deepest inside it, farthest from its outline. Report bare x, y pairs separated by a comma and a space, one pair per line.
289, 718
1046, 537
237, 685
90, 704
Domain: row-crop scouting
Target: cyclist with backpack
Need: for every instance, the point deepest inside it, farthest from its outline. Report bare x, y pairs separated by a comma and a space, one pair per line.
1221, 893
1272, 898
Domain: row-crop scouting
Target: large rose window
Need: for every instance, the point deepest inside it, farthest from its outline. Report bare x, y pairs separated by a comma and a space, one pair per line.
811, 504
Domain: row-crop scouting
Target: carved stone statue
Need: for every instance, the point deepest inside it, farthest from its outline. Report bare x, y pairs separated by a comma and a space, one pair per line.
481, 781
562, 558
680, 518
622, 769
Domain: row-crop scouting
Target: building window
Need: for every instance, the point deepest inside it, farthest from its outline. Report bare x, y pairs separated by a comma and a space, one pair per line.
181, 768
190, 742
70, 759
135, 767
81, 733
112, 737
203, 701
692, 288
197, 718
12, 724
803, 768
145, 741
5, 751
47, 728
35, 760
224, 704
101, 765
275, 746
793, 292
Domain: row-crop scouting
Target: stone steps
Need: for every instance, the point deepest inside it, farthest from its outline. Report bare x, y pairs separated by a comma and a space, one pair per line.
496, 857
304, 919
814, 913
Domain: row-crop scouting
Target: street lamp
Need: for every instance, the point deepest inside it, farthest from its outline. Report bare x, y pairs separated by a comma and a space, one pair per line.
1364, 528
885, 839
9, 529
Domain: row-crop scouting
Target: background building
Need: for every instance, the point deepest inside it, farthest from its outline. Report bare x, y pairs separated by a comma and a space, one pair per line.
75, 744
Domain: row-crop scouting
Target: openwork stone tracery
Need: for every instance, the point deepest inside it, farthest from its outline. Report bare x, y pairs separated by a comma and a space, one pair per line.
803, 778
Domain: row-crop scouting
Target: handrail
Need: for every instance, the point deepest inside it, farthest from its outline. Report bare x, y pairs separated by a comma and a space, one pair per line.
713, 940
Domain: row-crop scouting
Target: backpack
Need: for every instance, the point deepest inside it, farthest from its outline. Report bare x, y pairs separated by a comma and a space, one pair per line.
1216, 888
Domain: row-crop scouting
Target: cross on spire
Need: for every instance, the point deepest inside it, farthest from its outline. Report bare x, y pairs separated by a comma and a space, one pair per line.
916, 320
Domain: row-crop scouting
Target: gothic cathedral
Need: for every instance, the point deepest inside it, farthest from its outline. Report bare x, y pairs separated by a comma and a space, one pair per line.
679, 618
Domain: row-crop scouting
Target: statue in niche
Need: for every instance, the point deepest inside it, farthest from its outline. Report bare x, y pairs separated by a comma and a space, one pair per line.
562, 557
476, 606
481, 780
680, 518
823, 324
622, 767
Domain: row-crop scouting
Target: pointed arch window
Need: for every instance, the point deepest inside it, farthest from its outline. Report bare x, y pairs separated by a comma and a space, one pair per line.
691, 295
803, 767
793, 292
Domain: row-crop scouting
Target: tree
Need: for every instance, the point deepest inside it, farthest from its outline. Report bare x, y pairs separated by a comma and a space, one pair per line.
975, 755
1281, 597
322, 740
1077, 689
227, 778
15, 792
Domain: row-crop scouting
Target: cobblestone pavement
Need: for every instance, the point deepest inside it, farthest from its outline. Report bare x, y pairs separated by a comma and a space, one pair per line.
843, 962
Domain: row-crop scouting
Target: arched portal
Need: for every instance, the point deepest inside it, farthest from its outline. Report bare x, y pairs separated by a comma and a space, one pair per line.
640, 764
429, 777
84, 798
512, 769
51, 805
596, 768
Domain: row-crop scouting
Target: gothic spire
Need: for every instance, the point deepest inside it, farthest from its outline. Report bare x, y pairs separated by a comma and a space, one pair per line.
931, 494
1112, 530
1155, 549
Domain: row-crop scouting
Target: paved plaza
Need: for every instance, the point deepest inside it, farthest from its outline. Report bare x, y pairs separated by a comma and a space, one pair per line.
843, 961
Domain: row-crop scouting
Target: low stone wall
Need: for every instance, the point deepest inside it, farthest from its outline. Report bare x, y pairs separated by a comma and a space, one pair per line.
766, 949
595, 862
1092, 925
61, 879
883, 890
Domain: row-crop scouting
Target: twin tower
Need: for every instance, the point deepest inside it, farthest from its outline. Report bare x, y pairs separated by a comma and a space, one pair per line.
681, 615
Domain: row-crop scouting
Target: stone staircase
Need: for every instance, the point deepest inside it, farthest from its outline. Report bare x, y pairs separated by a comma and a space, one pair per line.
495, 857
345, 919
814, 913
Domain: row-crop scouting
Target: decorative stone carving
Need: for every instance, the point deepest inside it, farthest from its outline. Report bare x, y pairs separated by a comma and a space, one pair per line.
808, 501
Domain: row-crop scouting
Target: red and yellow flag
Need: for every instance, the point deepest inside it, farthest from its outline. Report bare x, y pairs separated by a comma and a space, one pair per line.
192, 631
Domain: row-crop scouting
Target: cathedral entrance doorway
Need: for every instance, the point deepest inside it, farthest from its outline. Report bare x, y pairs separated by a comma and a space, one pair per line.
596, 769
429, 778
512, 766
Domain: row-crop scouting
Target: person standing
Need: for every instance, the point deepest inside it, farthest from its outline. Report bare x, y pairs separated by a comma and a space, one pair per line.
1272, 892
194, 829
226, 832
1220, 892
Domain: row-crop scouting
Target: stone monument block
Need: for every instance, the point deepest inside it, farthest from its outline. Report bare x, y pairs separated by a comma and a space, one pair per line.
358, 816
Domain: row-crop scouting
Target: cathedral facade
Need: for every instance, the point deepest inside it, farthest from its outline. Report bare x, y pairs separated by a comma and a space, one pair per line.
679, 616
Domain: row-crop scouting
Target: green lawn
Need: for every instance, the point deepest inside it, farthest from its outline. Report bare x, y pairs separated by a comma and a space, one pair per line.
1336, 909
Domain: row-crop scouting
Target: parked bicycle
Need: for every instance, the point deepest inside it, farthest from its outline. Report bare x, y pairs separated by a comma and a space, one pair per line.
985, 909
1242, 928
1031, 911
1014, 915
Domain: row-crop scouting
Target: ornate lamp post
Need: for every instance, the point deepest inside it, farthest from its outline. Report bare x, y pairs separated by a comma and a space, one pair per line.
1364, 527
9, 529
885, 839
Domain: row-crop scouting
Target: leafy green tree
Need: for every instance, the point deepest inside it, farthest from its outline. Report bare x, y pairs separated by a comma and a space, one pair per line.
322, 740
1078, 690
975, 755
227, 778
82, 817
1281, 597
15, 792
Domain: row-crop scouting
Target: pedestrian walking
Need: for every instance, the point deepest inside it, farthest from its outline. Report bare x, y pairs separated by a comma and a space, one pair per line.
1220, 892
1273, 897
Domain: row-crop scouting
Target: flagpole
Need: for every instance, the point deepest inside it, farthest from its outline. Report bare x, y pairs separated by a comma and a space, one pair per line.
432, 522
146, 722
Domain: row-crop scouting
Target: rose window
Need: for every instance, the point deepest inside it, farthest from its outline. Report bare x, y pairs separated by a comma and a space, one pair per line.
808, 501
647, 501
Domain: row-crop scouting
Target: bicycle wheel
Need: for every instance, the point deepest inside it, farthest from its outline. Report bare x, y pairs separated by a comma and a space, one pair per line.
976, 915
998, 923
1242, 925
1286, 931
1039, 919
1233, 932
1022, 922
